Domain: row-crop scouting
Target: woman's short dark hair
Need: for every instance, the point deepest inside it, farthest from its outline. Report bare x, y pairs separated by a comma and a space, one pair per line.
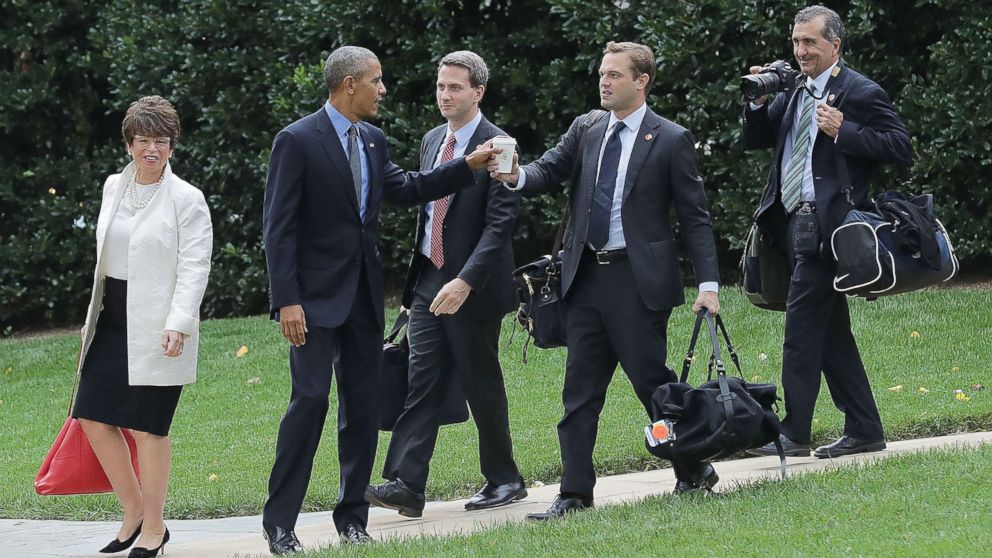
151, 116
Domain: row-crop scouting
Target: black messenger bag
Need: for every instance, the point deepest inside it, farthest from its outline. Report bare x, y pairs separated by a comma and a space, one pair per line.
765, 271
721, 417
396, 383
542, 311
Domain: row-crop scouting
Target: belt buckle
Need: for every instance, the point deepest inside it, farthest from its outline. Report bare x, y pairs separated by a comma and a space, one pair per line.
602, 257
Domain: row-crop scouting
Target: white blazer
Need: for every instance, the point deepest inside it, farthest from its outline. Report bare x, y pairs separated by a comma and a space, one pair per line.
168, 262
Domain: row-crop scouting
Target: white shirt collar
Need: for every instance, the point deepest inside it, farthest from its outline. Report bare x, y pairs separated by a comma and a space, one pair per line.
466, 132
819, 83
633, 120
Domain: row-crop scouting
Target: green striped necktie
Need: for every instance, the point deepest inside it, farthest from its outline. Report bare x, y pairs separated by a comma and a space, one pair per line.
792, 186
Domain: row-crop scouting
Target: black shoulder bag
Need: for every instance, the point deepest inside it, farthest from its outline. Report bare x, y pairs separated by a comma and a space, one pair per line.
542, 312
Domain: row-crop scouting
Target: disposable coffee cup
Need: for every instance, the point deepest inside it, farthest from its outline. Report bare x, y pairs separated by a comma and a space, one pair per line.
505, 159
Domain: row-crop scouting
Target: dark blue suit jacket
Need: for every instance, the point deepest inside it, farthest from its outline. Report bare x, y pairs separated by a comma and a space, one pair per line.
662, 174
477, 231
315, 240
871, 133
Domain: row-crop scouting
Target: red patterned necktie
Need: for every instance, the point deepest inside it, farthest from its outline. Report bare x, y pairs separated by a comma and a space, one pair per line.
440, 209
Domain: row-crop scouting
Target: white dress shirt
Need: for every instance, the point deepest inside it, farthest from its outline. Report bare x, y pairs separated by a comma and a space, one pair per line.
114, 262
462, 137
818, 86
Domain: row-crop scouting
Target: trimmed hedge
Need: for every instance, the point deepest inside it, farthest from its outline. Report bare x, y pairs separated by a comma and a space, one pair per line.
239, 71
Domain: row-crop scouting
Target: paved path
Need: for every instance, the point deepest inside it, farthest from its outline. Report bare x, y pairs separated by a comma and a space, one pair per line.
215, 538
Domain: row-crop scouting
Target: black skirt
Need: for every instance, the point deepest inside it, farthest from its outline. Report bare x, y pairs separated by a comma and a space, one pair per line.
104, 394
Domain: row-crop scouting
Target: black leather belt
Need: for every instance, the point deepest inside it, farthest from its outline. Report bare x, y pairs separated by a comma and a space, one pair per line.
805, 208
604, 257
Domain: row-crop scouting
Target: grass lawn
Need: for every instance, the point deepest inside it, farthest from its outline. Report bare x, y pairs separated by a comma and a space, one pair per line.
929, 504
225, 428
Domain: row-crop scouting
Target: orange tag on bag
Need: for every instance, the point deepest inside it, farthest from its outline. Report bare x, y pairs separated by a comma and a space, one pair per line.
660, 432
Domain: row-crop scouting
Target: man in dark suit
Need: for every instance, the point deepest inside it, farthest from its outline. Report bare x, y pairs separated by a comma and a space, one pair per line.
621, 275
804, 203
458, 289
328, 174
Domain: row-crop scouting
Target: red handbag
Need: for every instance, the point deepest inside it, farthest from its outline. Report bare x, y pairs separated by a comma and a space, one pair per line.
71, 467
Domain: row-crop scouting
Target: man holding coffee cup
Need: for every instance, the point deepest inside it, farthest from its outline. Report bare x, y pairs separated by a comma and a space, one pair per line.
458, 289
620, 269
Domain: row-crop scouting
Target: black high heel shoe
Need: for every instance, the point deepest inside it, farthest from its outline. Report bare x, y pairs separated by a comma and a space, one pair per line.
141, 552
118, 545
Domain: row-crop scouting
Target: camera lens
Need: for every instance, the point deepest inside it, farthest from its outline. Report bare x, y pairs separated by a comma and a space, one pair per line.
758, 85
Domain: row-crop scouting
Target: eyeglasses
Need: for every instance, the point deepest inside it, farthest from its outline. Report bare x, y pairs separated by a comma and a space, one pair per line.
142, 142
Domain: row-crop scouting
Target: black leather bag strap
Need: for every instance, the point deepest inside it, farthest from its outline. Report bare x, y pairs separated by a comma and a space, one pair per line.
687, 363
401, 321
843, 175
726, 396
592, 118
730, 347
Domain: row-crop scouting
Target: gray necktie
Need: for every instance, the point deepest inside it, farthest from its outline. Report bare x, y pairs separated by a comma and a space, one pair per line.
355, 159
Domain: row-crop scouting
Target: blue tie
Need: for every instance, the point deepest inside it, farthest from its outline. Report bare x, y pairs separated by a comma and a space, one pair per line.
602, 199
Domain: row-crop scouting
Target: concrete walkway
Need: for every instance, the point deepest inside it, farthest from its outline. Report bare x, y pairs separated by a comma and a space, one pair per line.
242, 535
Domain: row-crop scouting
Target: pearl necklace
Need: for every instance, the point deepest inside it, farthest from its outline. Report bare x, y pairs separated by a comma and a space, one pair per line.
132, 192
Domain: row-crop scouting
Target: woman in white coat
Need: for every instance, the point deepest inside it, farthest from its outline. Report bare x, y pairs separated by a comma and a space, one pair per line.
153, 245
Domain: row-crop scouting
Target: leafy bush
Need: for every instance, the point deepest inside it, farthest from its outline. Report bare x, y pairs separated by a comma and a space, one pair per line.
239, 71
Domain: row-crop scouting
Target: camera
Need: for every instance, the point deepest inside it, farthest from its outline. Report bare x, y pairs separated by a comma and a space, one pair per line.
773, 78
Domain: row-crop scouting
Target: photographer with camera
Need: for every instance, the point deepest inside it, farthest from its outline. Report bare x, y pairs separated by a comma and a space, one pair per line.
823, 112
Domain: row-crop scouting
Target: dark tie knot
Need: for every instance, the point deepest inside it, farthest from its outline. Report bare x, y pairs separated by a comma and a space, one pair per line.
353, 131
618, 127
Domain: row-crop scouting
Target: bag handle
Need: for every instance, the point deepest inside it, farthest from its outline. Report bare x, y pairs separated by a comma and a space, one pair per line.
726, 397
79, 375
401, 321
713, 322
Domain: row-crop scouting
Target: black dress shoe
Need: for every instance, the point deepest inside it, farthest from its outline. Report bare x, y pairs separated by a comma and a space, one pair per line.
561, 506
701, 484
792, 449
847, 445
355, 533
281, 541
118, 545
142, 552
495, 495
396, 495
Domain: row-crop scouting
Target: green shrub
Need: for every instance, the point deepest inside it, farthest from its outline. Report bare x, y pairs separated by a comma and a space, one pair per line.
239, 71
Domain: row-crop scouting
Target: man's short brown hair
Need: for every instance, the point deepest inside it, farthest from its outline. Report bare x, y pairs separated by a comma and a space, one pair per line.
641, 58
151, 116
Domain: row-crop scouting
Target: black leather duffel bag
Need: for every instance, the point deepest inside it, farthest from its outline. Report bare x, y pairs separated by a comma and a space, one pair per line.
721, 417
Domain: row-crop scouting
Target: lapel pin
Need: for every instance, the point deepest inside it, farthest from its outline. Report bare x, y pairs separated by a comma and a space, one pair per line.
371, 145
648, 137
831, 97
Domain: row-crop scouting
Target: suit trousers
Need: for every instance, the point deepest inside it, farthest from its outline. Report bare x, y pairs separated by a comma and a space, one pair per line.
818, 337
440, 346
352, 352
608, 323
